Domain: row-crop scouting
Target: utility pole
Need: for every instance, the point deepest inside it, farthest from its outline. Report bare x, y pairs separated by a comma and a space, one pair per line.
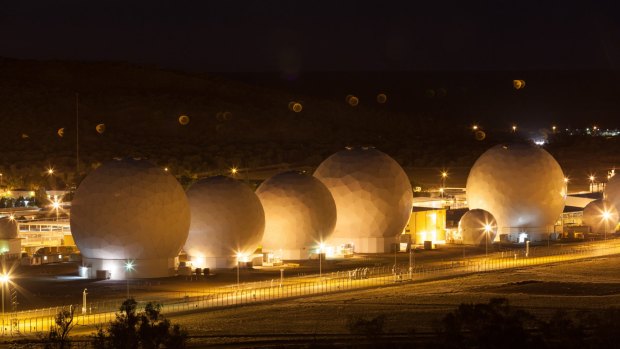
77, 135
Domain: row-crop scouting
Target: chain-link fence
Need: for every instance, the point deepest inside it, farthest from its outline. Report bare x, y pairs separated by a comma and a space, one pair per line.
102, 312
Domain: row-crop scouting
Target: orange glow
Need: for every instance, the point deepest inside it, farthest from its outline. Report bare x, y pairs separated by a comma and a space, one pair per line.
352, 100
100, 128
183, 120
381, 98
518, 84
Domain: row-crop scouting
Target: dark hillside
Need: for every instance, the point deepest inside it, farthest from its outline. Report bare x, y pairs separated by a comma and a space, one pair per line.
244, 120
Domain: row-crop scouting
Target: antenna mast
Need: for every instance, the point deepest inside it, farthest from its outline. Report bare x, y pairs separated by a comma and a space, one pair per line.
77, 136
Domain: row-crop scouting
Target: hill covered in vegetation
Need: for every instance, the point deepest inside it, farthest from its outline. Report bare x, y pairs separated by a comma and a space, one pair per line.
245, 120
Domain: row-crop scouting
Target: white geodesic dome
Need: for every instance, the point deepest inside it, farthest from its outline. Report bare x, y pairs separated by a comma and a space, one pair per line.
601, 216
300, 212
372, 193
521, 185
227, 218
612, 191
130, 210
475, 225
8, 228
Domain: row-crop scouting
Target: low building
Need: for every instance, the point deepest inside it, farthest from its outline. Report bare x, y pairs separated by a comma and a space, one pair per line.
426, 224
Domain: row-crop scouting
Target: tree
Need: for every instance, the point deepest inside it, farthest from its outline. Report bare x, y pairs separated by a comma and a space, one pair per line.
491, 325
59, 334
154, 329
148, 329
122, 332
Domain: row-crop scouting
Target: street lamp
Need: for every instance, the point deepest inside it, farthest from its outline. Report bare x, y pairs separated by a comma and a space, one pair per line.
233, 171
128, 268
410, 261
84, 301
514, 128
591, 178
56, 206
321, 247
606, 217
50, 171
444, 175
4, 279
487, 229
239, 257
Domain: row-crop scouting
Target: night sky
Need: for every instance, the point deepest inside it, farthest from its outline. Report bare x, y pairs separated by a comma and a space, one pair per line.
293, 36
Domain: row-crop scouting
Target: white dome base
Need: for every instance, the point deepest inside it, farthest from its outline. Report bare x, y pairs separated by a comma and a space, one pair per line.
142, 268
225, 262
366, 244
534, 234
291, 254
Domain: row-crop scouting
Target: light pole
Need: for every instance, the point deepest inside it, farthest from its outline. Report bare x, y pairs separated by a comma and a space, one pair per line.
4, 279
487, 229
591, 178
239, 256
281, 276
128, 268
410, 261
444, 175
84, 301
321, 246
56, 207
606, 216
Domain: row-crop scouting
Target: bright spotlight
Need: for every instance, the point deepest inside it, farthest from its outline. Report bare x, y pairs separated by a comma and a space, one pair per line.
129, 265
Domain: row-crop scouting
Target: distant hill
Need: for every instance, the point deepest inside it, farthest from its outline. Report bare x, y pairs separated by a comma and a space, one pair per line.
244, 120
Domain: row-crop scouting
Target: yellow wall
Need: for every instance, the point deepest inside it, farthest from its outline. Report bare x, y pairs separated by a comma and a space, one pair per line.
427, 225
68, 240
